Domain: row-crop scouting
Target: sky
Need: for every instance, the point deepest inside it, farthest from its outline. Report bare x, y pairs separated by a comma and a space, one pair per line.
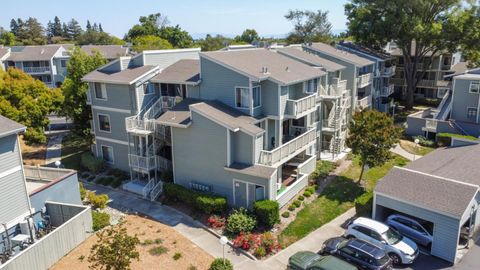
196, 16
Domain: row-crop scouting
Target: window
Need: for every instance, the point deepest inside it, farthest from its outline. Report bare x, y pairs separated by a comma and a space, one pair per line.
475, 87
311, 86
472, 113
104, 122
148, 88
107, 154
300, 122
63, 63
242, 97
100, 91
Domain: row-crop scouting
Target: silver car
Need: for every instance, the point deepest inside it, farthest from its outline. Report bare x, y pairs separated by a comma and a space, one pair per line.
411, 228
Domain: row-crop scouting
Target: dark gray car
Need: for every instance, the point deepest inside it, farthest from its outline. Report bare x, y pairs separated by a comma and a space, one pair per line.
411, 228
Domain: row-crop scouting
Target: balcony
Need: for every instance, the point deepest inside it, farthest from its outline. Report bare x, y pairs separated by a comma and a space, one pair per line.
36, 69
141, 163
301, 107
387, 90
364, 102
139, 126
164, 164
364, 80
388, 71
288, 150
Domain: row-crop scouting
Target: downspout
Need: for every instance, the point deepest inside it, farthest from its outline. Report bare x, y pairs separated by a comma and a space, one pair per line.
9, 244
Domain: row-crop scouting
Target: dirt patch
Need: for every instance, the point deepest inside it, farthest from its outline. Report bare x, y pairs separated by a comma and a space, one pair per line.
163, 240
33, 154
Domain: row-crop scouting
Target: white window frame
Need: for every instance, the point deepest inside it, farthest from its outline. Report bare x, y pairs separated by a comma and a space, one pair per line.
103, 91
306, 86
478, 87
150, 87
476, 113
251, 101
103, 157
99, 122
259, 96
63, 61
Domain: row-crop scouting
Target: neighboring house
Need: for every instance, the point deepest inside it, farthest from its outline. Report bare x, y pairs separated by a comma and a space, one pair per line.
47, 63
457, 113
4, 53
358, 72
440, 189
110, 52
433, 85
32, 194
384, 69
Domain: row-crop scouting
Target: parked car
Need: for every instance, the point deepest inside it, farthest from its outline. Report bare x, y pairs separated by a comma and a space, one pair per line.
358, 252
307, 260
400, 249
411, 228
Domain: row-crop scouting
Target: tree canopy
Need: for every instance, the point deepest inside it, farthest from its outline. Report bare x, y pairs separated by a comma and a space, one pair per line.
75, 90
371, 136
309, 26
150, 42
420, 28
28, 101
248, 36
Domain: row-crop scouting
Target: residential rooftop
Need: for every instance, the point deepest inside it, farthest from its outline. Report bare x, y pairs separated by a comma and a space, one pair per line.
126, 76
4, 51
9, 127
108, 51
253, 170
342, 55
468, 76
185, 71
39, 178
310, 58
366, 50
263, 64
33, 53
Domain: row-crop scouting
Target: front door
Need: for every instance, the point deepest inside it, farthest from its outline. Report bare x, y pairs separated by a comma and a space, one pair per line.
240, 189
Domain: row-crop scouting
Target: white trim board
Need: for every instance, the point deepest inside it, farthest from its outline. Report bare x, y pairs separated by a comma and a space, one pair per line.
10, 171
112, 140
111, 109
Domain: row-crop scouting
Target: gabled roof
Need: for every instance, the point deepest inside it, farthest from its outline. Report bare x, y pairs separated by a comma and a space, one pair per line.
438, 194
108, 51
34, 53
9, 127
252, 63
365, 50
180, 115
342, 55
186, 71
4, 51
310, 58
126, 76
252, 170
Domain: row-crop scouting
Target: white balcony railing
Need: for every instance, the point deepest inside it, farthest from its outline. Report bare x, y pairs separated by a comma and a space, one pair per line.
298, 107
141, 162
133, 124
288, 150
364, 80
365, 102
164, 163
308, 166
388, 71
387, 90
36, 69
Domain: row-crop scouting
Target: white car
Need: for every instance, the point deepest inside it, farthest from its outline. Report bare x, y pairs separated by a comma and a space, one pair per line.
401, 249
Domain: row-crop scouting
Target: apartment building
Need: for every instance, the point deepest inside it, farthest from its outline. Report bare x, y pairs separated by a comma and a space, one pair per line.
457, 112
384, 69
110, 52
433, 85
4, 53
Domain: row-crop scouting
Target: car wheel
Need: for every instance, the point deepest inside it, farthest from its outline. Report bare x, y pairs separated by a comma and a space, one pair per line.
395, 258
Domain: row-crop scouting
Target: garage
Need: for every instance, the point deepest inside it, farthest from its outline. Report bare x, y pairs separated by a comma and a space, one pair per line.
448, 206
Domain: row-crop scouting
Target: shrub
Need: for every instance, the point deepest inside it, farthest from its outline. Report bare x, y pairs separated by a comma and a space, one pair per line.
117, 173
291, 207
286, 214
240, 221
203, 202
155, 251
260, 252
98, 201
221, 264
100, 220
297, 203
177, 256
91, 163
116, 183
307, 193
267, 243
267, 212
445, 139
311, 189
83, 191
216, 221
301, 198
211, 204
323, 169
424, 141
363, 204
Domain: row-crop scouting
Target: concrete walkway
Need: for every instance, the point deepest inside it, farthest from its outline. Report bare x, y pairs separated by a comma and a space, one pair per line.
54, 149
402, 152
312, 242
191, 229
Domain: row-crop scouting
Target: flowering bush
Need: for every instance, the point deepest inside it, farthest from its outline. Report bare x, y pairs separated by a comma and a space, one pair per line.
260, 244
215, 221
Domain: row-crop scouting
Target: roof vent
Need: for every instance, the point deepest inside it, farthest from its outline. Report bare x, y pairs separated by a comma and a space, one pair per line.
287, 69
264, 70
42, 51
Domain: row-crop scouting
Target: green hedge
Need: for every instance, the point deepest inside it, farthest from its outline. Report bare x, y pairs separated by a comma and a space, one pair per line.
203, 202
363, 204
221, 264
100, 220
445, 139
91, 163
267, 212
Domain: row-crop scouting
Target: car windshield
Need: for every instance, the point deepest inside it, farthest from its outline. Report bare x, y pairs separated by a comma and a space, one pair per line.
392, 236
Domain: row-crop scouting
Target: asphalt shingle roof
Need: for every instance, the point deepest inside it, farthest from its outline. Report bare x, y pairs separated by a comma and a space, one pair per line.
108, 51
343, 55
34, 53
8, 127
310, 58
183, 71
253, 170
126, 76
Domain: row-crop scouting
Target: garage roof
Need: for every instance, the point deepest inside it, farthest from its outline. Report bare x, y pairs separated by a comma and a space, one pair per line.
434, 193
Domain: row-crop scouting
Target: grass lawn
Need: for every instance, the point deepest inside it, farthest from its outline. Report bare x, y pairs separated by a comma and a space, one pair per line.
73, 146
418, 150
335, 199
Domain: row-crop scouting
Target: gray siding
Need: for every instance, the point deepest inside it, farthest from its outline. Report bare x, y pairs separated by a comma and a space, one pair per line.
193, 91
219, 82
119, 96
258, 147
462, 99
9, 153
242, 147
445, 232
120, 153
117, 125
164, 60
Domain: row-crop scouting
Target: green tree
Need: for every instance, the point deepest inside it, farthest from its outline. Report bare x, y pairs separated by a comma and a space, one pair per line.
114, 249
28, 101
97, 38
213, 43
149, 25
176, 36
309, 26
248, 36
75, 90
150, 43
7, 38
74, 30
420, 28
371, 136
